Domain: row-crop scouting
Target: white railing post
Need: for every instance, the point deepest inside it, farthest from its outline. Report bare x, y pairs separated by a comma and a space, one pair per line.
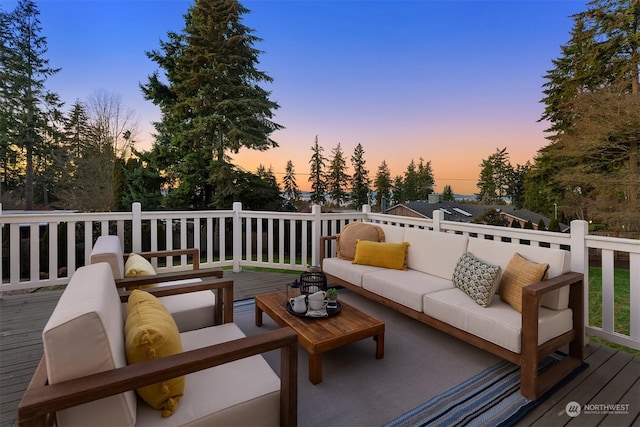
580, 261
237, 237
316, 232
438, 217
366, 209
136, 227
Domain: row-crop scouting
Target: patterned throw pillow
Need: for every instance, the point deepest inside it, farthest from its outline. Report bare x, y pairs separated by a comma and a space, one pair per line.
476, 278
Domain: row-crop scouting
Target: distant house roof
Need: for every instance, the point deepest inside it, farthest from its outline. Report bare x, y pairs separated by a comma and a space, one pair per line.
465, 212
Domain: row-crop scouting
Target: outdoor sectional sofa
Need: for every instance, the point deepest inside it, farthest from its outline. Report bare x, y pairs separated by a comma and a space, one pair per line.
423, 288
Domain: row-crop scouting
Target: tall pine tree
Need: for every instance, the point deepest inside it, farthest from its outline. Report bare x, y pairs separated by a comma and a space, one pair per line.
291, 190
212, 103
25, 102
592, 98
360, 182
317, 175
337, 177
383, 184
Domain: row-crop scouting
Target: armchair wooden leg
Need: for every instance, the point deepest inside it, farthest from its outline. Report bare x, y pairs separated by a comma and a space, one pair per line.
217, 315
289, 385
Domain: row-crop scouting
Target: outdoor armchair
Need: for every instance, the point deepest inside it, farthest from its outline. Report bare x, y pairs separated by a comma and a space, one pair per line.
192, 310
228, 382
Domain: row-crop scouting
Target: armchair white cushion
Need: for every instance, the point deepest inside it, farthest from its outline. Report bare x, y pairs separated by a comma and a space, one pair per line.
191, 310
85, 335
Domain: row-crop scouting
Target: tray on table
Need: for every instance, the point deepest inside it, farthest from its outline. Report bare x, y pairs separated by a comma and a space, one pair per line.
330, 312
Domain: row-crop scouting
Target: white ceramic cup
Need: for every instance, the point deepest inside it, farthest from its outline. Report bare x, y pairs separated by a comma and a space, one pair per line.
316, 304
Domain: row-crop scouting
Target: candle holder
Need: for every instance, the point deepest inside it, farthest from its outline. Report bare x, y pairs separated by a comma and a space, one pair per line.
312, 282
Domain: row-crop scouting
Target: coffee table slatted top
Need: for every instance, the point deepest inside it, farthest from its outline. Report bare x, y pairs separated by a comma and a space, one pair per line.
318, 335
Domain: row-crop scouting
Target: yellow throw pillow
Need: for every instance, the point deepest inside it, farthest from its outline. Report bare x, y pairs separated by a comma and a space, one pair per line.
137, 266
381, 254
519, 273
346, 245
151, 333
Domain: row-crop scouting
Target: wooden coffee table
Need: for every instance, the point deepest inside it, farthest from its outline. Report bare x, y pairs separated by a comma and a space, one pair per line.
318, 335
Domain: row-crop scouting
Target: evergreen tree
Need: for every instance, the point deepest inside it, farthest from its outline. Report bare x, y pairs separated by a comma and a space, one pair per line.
486, 184
317, 177
360, 182
142, 183
410, 183
541, 225
554, 225
383, 184
398, 194
425, 180
491, 217
592, 98
291, 190
212, 104
77, 129
24, 97
541, 189
447, 194
528, 225
337, 176
516, 188
496, 174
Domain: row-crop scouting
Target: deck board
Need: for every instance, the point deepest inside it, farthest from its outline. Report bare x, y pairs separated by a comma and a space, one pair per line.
612, 376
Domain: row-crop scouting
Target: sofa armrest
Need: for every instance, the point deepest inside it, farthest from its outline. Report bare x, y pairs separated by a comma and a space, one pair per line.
223, 288
41, 400
534, 384
323, 244
128, 282
194, 252
532, 294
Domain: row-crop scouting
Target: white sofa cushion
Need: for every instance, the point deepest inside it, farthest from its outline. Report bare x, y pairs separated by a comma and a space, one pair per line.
392, 233
85, 335
433, 252
345, 270
109, 249
499, 323
241, 393
500, 253
405, 287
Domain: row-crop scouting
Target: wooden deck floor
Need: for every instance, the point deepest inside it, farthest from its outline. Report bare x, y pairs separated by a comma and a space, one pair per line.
612, 376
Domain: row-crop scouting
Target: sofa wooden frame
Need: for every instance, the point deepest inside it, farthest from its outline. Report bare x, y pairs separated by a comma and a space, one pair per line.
41, 400
533, 384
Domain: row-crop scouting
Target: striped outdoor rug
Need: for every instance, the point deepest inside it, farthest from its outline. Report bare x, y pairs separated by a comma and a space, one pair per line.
491, 398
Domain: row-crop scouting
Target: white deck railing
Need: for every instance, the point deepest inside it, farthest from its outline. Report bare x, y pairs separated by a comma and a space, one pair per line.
44, 249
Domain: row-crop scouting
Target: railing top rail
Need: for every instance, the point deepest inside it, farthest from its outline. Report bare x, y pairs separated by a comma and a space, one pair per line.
616, 243
276, 215
147, 215
62, 217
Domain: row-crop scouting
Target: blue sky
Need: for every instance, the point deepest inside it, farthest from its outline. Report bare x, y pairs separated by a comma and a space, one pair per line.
447, 81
